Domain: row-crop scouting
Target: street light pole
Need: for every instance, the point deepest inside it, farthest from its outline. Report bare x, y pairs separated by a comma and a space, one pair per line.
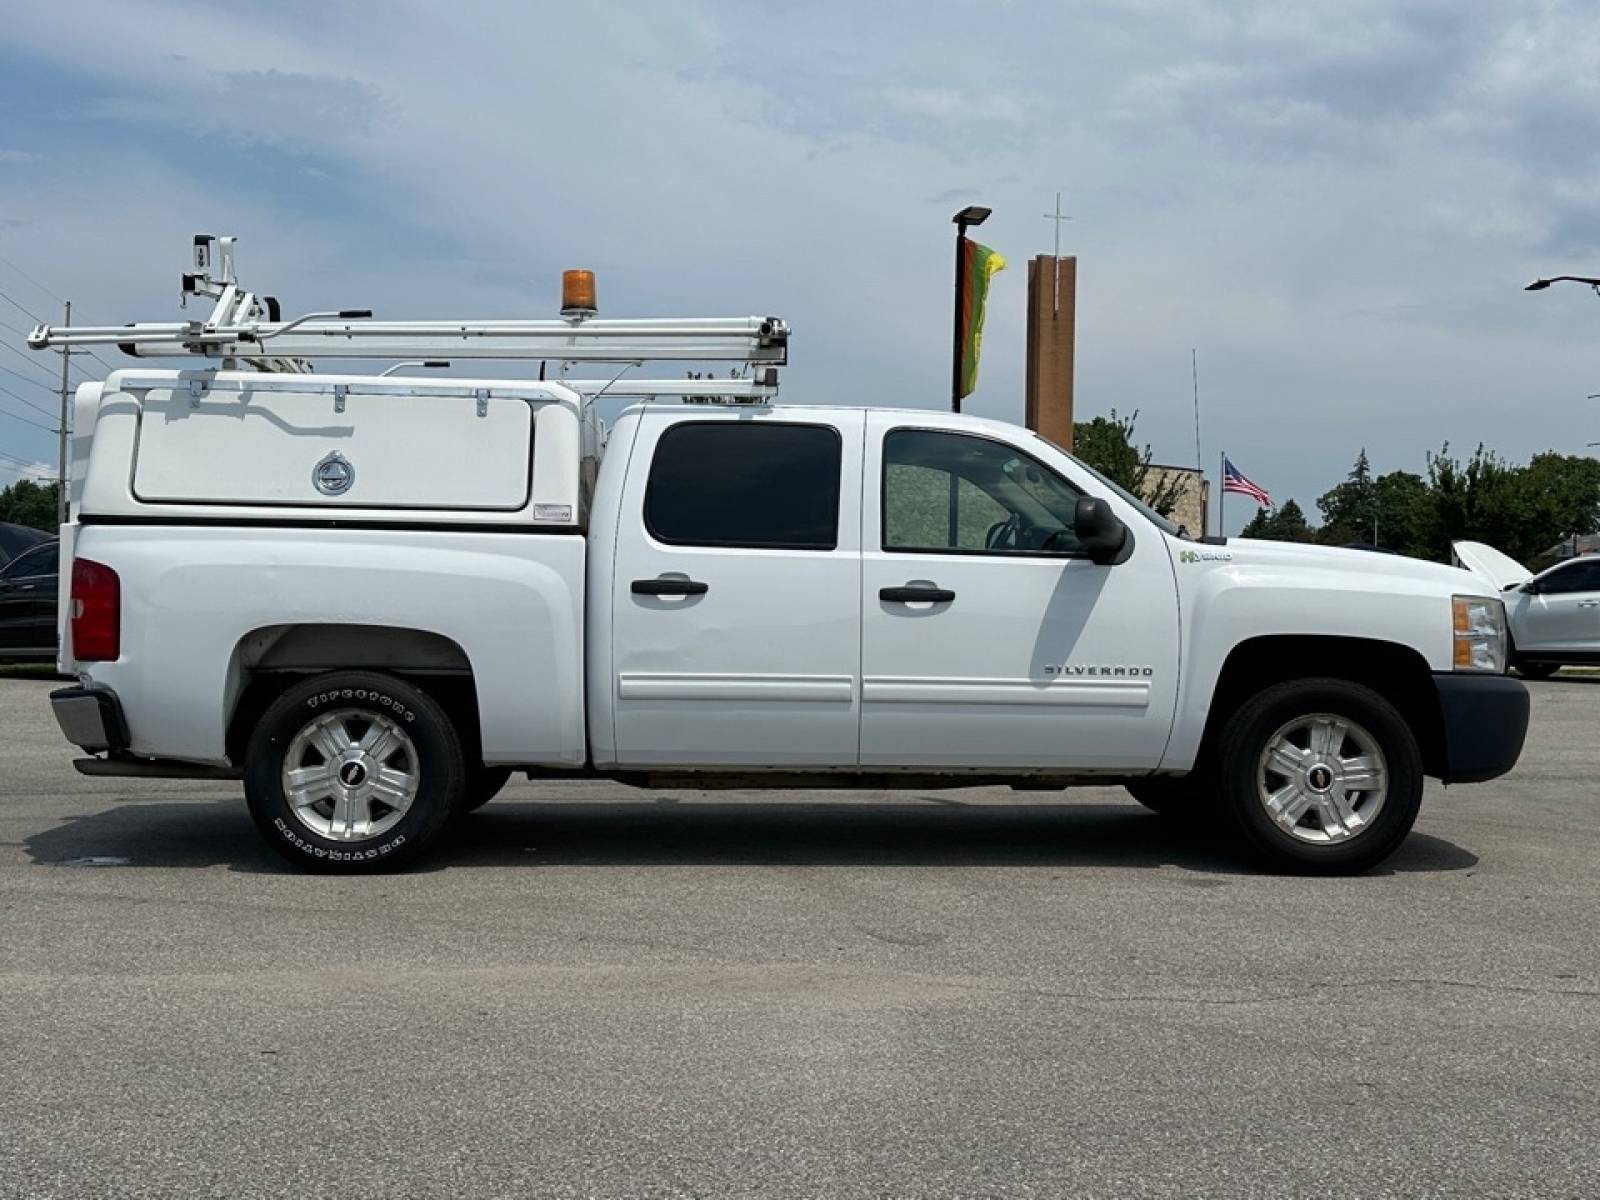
1539, 285
973, 214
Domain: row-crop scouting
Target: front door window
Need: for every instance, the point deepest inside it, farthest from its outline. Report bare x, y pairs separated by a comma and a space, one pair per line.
947, 493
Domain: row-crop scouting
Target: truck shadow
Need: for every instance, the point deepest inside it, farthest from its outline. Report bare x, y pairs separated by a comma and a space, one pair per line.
198, 832
665, 832
893, 835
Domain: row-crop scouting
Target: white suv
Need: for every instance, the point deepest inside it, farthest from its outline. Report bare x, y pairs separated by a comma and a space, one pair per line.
1553, 617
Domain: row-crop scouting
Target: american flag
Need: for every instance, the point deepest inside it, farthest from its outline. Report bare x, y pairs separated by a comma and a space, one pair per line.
1232, 481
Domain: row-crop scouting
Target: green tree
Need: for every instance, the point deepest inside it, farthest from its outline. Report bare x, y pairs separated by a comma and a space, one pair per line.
1395, 511
28, 503
1403, 508
1285, 524
1482, 499
1561, 496
1349, 510
1107, 445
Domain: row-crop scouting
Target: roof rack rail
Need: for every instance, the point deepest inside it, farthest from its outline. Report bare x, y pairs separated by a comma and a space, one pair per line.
245, 327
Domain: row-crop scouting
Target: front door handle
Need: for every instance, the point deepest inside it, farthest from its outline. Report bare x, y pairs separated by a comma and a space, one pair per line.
909, 595
668, 587
1589, 603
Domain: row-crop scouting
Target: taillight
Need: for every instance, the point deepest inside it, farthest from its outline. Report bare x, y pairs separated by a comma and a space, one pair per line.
96, 612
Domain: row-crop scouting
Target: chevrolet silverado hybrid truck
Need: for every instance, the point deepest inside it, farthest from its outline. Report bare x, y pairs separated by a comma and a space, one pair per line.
372, 598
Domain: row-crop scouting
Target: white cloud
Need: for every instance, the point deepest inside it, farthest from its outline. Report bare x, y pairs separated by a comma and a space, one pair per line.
37, 472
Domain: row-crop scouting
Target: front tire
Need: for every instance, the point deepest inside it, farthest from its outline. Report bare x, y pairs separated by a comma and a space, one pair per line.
1175, 797
352, 772
1320, 776
1536, 670
483, 785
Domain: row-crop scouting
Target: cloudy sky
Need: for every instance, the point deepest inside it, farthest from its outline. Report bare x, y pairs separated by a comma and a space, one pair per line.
1331, 207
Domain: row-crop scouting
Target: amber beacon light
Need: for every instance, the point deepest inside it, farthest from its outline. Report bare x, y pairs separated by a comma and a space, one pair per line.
577, 294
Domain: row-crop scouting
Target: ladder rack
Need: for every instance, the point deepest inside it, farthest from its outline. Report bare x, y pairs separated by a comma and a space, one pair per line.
245, 328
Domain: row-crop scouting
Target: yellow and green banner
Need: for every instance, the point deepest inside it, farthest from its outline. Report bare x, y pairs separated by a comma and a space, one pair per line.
979, 263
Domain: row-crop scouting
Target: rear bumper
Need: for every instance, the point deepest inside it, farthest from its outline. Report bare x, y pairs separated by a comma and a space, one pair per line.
90, 718
1485, 719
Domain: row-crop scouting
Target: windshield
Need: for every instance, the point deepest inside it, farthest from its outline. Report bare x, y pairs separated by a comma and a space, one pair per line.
1166, 524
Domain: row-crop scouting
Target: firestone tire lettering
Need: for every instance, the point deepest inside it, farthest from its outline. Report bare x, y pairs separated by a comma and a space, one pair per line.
400, 710
306, 847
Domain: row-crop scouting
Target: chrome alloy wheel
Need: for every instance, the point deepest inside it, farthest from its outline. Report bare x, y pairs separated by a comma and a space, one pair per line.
1322, 779
350, 775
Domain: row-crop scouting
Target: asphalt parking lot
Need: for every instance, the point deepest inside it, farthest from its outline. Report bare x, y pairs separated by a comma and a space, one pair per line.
603, 992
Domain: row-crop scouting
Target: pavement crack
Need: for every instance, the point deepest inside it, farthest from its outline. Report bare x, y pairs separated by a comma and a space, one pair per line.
1317, 989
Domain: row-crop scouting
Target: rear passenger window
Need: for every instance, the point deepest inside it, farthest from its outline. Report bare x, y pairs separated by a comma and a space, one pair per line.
759, 485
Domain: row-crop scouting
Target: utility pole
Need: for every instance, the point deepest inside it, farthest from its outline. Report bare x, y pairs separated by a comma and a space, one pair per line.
61, 476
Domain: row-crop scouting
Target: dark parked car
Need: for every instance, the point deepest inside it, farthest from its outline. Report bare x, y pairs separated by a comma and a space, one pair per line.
29, 584
14, 539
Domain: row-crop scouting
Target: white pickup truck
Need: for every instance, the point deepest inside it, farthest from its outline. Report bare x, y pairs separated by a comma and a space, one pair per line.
374, 597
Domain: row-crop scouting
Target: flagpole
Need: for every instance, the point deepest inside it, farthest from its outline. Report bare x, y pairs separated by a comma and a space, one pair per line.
1194, 374
1222, 493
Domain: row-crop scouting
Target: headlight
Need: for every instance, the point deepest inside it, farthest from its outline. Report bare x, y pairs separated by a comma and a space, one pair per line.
1480, 633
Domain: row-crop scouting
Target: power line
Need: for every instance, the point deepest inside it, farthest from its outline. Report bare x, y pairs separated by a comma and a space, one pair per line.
21, 462
20, 308
25, 421
73, 353
24, 336
36, 320
50, 382
104, 365
35, 283
26, 401
31, 362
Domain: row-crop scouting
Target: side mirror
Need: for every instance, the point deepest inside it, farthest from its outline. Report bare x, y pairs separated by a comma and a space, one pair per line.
1101, 532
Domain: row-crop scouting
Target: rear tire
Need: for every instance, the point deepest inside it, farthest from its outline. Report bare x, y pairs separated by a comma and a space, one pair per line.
353, 772
1320, 776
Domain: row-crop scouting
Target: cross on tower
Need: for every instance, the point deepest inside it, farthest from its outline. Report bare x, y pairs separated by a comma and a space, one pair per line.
1056, 271
1057, 218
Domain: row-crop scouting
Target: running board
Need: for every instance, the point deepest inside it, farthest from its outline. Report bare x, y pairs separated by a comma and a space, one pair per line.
153, 768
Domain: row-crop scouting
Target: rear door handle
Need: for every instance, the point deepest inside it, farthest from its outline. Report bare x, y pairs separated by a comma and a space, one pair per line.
1589, 603
909, 595
668, 587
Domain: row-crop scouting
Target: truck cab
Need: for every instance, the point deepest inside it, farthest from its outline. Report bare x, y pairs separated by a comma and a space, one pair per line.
863, 589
